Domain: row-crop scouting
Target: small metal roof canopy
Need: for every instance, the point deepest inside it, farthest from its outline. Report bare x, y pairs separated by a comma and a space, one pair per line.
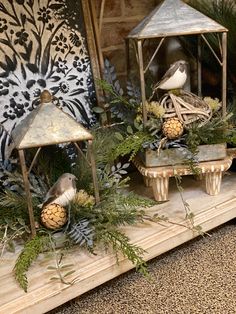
175, 18
49, 125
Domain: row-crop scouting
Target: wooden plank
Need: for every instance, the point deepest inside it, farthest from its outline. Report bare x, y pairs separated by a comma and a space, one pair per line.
92, 271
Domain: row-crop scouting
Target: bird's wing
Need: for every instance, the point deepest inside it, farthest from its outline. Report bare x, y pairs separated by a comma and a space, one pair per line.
168, 74
55, 191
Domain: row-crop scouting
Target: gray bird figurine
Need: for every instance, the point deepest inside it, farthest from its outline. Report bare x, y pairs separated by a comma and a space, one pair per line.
63, 190
175, 77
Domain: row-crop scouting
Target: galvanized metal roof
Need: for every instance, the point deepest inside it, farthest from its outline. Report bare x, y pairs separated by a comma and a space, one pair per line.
48, 125
172, 18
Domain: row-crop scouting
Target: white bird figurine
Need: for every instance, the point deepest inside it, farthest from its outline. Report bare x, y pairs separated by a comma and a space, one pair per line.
175, 77
63, 190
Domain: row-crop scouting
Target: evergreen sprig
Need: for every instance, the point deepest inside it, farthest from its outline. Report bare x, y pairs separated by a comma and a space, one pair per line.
13, 206
131, 145
217, 130
29, 254
121, 243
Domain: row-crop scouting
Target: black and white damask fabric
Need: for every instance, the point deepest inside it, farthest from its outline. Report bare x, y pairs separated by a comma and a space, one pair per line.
43, 46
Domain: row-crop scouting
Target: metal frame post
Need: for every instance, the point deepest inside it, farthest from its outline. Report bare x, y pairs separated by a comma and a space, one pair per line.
199, 66
27, 191
94, 173
142, 81
224, 72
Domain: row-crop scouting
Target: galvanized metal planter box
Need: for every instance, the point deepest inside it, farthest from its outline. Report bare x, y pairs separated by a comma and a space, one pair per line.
174, 156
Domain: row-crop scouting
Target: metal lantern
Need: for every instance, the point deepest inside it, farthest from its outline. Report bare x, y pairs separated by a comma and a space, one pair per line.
175, 18
49, 125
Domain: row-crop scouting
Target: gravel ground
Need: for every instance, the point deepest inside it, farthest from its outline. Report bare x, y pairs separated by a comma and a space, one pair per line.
198, 277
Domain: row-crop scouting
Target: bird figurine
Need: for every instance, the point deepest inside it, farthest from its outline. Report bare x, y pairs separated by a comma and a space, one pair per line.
62, 192
175, 77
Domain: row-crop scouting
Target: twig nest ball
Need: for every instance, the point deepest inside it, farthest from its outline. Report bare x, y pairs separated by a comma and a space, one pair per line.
172, 128
187, 107
53, 216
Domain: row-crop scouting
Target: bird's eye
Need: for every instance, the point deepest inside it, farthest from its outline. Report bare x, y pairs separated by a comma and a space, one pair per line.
69, 178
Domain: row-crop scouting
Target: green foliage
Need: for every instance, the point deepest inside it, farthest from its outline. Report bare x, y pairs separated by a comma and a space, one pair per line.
62, 270
115, 209
118, 106
10, 231
81, 233
104, 219
131, 144
29, 254
217, 130
121, 243
14, 206
189, 214
52, 161
104, 141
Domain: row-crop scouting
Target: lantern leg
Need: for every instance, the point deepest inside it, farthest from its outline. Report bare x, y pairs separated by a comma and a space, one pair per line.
142, 81
27, 191
224, 72
94, 173
199, 66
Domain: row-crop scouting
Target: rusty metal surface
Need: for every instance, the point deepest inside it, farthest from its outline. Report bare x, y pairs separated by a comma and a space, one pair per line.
48, 125
172, 18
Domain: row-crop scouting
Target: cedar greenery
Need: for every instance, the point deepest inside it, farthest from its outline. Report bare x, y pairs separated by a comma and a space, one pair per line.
29, 254
217, 130
102, 224
131, 145
14, 206
121, 243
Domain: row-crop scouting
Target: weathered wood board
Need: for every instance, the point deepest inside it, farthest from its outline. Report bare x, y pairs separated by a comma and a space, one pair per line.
91, 271
173, 156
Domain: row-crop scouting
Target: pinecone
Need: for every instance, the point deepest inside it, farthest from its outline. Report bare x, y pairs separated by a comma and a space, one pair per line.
53, 216
172, 128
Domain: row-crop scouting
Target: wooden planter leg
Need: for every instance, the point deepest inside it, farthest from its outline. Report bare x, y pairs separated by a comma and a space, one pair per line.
160, 186
213, 182
147, 181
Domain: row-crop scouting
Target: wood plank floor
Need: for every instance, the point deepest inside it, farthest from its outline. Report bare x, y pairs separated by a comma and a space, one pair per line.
91, 271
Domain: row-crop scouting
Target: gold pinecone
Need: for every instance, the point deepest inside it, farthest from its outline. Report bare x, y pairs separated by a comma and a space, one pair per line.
172, 128
53, 216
